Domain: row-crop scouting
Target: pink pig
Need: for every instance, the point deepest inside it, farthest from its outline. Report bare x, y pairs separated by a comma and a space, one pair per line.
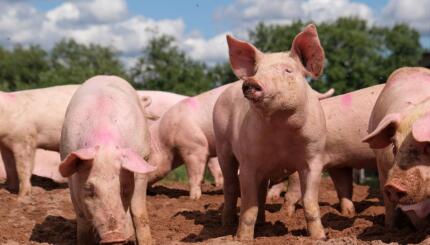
104, 143
269, 125
399, 131
347, 118
31, 119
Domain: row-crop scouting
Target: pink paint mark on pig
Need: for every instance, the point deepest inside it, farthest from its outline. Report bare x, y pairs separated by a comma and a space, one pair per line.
8, 96
192, 103
346, 100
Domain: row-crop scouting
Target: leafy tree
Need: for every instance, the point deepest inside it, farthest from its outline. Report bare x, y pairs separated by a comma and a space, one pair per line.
71, 62
163, 66
357, 55
22, 67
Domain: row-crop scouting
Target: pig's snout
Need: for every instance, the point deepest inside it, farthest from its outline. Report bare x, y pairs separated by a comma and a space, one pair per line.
252, 90
394, 192
112, 237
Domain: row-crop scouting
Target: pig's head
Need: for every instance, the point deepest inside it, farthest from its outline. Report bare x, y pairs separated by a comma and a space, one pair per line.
104, 185
408, 181
277, 81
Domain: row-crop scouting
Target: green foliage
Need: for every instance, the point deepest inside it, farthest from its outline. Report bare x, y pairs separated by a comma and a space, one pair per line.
357, 55
71, 62
163, 66
21, 67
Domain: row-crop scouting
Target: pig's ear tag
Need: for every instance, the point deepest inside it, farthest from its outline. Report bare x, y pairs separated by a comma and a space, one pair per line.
131, 161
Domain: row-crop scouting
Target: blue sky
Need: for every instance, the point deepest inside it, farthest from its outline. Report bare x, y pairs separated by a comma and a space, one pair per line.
199, 26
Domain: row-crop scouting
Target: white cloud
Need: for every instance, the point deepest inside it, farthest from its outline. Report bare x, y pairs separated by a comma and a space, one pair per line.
211, 50
247, 13
415, 13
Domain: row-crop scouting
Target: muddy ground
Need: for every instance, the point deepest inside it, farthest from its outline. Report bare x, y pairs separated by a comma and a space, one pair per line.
49, 218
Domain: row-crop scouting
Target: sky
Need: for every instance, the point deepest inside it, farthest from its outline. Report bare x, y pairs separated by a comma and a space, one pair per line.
199, 26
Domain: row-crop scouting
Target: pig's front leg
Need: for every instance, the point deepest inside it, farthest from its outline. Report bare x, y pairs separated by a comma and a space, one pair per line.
229, 167
249, 205
24, 158
310, 180
342, 178
12, 181
293, 194
139, 211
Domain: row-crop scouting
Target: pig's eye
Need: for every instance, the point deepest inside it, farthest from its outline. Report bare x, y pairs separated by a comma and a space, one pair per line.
288, 70
89, 190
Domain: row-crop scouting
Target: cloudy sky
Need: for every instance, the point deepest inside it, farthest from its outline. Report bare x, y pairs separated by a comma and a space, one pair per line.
198, 25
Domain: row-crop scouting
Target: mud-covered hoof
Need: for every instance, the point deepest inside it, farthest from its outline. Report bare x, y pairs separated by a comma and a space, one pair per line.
195, 193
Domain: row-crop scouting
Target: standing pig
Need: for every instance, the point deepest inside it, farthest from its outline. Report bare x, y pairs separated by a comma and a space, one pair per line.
347, 119
185, 135
270, 126
399, 131
31, 119
104, 141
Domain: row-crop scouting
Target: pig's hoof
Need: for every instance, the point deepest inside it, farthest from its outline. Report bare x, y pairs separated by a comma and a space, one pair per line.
348, 212
195, 193
24, 199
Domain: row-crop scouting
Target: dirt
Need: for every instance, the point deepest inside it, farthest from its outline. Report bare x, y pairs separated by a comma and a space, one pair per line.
175, 219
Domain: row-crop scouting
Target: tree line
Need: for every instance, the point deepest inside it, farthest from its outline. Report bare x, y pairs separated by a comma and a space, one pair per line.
357, 55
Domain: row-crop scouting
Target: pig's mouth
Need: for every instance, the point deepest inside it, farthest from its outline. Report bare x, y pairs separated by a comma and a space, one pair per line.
252, 91
421, 209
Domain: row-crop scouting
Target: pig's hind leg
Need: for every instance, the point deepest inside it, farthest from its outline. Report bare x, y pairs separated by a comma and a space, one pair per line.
342, 179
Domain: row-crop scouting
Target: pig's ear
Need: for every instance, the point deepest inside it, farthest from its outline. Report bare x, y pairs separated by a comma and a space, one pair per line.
381, 136
133, 162
243, 57
421, 129
70, 165
307, 48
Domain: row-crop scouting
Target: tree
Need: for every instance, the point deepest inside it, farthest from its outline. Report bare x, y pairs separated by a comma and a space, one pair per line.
22, 67
357, 55
72, 63
163, 66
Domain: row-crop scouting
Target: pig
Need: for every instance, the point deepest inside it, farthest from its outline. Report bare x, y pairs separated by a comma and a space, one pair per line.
269, 125
193, 142
32, 119
399, 134
45, 165
184, 134
104, 144
347, 118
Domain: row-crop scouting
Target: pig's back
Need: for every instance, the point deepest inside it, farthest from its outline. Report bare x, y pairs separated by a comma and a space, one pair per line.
105, 108
405, 87
161, 101
347, 118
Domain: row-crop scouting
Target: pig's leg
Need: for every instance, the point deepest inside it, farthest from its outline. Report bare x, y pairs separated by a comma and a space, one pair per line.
342, 178
195, 162
229, 167
85, 234
164, 162
310, 180
139, 212
215, 170
275, 192
24, 157
262, 193
293, 194
249, 195
12, 182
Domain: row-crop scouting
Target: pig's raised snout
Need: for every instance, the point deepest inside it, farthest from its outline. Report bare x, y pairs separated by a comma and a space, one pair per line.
112, 238
394, 192
252, 90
